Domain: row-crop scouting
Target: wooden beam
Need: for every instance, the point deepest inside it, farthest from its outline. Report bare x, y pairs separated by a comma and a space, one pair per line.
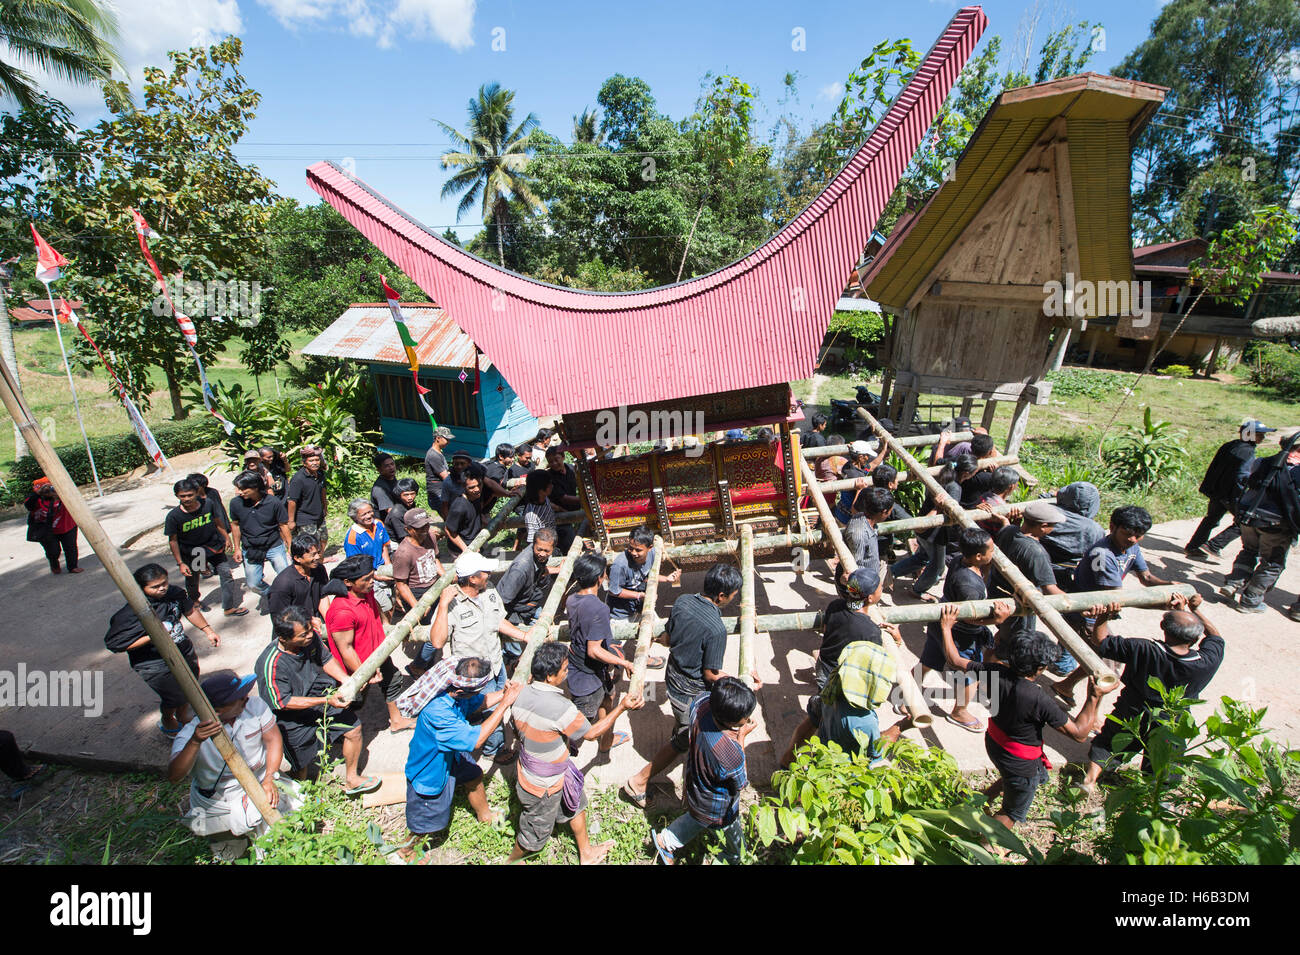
988, 294
990, 411
998, 461
912, 441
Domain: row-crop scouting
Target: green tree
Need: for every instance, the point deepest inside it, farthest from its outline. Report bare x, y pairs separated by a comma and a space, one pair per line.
492, 160
1227, 138
626, 105
586, 129
71, 40
173, 160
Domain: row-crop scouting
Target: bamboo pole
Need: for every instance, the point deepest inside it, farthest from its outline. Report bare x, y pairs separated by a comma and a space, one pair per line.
540, 631
561, 517
997, 461
911, 441
940, 520
1137, 597
912, 695
402, 629
108, 555
1024, 588
747, 604
645, 627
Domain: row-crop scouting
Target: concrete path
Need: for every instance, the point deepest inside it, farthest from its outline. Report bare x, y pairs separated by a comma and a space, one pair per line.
58, 623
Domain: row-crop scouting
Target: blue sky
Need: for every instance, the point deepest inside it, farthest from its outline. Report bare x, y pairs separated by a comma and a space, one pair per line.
356, 78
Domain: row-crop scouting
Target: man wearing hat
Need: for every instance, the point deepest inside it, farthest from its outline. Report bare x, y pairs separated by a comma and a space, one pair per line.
857, 468
218, 804
416, 568
470, 622
1269, 514
1020, 539
1224, 483
435, 466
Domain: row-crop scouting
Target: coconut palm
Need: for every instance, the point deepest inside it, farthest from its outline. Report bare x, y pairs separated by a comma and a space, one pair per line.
492, 159
586, 128
71, 40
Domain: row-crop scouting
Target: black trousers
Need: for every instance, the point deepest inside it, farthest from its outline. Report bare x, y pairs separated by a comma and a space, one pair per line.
1213, 514
11, 758
68, 542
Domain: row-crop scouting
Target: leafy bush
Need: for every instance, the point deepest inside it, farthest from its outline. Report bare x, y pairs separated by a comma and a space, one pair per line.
114, 454
1177, 371
1086, 383
1143, 456
1276, 366
866, 329
832, 807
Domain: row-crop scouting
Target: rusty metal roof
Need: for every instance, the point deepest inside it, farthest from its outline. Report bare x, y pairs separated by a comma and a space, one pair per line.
366, 332
758, 321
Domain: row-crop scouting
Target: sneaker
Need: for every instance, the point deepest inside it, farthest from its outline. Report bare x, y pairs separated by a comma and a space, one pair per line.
1294, 612
1213, 551
1195, 553
1229, 589
1249, 608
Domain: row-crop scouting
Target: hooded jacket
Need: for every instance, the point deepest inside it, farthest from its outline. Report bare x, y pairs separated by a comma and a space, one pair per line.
1078, 533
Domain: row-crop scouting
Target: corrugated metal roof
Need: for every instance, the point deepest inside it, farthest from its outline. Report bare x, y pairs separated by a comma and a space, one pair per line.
1102, 115
757, 321
367, 332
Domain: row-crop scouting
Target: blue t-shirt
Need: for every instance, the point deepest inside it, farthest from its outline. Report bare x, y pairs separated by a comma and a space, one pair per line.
372, 545
624, 575
442, 730
1104, 568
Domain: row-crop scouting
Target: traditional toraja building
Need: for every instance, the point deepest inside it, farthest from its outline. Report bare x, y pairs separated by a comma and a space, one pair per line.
449, 367
1040, 195
720, 348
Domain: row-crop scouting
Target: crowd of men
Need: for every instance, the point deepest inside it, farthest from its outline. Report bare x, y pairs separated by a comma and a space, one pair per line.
463, 696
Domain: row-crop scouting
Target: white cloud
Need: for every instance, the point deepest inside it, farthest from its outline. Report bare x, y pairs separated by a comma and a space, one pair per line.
831, 92
451, 21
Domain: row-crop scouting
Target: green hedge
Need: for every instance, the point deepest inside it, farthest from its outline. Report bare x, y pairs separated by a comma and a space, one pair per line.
114, 454
1276, 366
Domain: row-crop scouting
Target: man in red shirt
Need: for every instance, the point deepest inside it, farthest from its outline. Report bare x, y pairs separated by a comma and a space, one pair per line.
356, 627
50, 525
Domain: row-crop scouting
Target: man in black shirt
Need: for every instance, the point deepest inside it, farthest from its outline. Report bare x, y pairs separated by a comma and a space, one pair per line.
815, 437
197, 534
1022, 545
259, 530
273, 464
524, 587
453, 486
407, 491
1270, 518
523, 461
465, 517
495, 475
435, 467
1180, 661
126, 634
1224, 482
302, 582
697, 641
384, 493
564, 495
306, 497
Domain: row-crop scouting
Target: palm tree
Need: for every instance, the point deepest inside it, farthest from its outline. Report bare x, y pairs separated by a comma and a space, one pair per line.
492, 159
585, 128
71, 40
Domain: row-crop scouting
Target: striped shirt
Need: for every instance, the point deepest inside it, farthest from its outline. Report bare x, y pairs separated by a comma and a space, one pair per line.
282, 675
537, 516
546, 721
715, 769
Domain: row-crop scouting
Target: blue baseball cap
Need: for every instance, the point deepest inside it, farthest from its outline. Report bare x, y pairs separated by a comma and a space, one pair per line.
226, 686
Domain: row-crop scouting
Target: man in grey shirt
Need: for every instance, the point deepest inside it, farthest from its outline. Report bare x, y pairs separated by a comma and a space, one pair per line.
435, 465
870, 507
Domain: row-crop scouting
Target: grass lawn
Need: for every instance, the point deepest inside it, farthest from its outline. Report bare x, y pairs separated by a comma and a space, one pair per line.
45, 386
1061, 441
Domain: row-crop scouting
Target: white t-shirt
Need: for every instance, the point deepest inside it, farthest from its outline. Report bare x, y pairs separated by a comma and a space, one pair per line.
210, 770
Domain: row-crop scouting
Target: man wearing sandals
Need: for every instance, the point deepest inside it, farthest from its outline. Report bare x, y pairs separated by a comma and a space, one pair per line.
593, 663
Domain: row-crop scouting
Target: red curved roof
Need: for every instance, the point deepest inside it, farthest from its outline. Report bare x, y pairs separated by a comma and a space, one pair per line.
757, 321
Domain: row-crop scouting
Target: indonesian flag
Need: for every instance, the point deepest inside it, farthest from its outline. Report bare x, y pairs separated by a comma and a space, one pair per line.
145, 232
408, 345
48, 262
64, 314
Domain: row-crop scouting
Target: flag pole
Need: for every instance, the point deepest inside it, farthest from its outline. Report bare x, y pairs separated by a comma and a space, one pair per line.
67, 366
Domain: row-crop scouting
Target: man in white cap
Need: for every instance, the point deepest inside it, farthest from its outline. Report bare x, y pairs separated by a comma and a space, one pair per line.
858, 468
470, 622
1020, 539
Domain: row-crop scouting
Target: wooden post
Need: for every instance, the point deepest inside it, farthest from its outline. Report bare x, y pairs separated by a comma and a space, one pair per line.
725, 507
907, 414
1213, 365
661, 509
990, 412
108, 555
906, 683
1019, 422
1023, 587
540, 631
1092, 347
645, 632
402, 629
966, 404
591, 501
747, 604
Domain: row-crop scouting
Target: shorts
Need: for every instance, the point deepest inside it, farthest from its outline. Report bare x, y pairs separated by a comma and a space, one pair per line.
1018, 792
302, 740
539, 816
391, 683
426, 815
159, 678
383, 595
1102, 751
589, 705
320, 531
932, 656
680, 739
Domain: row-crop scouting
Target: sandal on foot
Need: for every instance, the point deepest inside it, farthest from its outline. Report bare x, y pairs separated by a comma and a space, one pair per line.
368, 785
237, 612
655, 663
663, 854
637, 799
619, 739
974, 726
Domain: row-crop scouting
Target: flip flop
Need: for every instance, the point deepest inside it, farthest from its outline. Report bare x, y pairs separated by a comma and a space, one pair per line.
237, 612
368, 785
664, 856
636, 799
619, 739
655, 663
975, 726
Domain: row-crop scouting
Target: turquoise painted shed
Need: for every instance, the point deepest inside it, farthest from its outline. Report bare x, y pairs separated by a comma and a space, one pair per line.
365, 333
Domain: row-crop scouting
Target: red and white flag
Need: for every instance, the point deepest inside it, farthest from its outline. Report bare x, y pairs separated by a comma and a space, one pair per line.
145, 232
48, 262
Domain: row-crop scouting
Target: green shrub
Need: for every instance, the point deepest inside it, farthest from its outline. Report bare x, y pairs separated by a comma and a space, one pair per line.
1177, 371
114, 454
1086, 382
1143, 456
866, 329
1275, 366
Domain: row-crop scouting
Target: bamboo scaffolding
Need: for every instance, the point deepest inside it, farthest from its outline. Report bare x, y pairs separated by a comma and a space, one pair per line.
940, 520
998, 461
108, 555
561, 517
1024, 588
540, 631
747, 604
645, 627
402, 629
1136, 597
911, 441
912, 695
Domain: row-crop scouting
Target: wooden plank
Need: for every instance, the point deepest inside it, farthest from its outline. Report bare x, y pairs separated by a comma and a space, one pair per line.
987, 293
